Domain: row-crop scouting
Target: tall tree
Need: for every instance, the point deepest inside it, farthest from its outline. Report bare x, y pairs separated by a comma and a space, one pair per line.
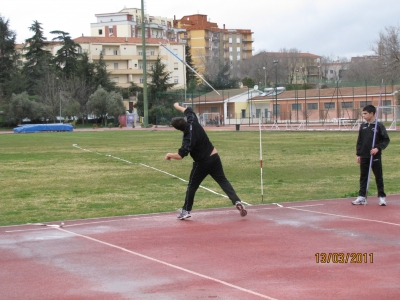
67, 56
8, 57
190, 75
388, 50
159, 81
101, 76
37, 57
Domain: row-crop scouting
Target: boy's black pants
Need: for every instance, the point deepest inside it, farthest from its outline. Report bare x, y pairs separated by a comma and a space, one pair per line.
377, 170
213, 167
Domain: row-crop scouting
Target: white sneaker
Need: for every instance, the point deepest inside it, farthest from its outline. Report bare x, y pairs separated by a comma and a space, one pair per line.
359, 200
382, 201
184, 215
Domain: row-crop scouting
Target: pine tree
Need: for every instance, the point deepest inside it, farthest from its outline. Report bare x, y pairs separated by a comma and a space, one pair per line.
37, 57
67, 56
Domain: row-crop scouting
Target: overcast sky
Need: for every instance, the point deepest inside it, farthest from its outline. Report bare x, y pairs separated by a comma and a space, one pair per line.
339, 28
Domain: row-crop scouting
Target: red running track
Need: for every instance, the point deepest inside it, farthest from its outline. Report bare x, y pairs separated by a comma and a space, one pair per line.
269, 254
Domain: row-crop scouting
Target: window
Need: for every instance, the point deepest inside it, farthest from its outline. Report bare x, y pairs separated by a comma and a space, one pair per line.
115, 66
277, 110
230, 40
176, 79
100, 31
140, 52
141, 80
175, 66
116, 79
387, 103
347, 104
79, 50
312, 106
115, 52
110, 30
152, 52
214, 109
296, 106
365, 103
258, 112
238, 40
328, 105
330, 71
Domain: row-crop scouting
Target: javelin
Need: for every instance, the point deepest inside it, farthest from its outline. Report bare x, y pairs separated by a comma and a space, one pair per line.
374, 137
193, 70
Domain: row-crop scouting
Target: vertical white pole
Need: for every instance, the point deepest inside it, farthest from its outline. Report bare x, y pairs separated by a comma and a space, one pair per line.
261, 163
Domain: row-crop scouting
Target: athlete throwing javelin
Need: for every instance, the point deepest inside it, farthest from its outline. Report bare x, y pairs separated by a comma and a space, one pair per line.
206, 160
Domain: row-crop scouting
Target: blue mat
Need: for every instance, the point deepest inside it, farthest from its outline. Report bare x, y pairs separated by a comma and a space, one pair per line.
43, 127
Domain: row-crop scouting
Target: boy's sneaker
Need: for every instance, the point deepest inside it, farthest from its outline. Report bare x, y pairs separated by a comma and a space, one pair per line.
240, 207
359, 200
382, 201
184, 215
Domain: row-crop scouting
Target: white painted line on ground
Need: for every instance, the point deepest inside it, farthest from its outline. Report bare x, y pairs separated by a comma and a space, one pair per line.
169, 265
342, 216
158, 170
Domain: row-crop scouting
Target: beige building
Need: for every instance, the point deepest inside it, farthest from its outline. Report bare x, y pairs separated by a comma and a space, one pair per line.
207, 40
128, 23
124, 58
118, 36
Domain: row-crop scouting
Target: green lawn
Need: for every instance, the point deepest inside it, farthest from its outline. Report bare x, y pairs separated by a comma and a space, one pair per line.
44, 178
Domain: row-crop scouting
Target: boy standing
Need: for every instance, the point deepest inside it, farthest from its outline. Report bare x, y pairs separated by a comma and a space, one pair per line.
206, 160
364, 153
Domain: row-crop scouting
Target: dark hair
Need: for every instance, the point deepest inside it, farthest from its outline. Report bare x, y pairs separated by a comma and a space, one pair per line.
179, 123
369, 108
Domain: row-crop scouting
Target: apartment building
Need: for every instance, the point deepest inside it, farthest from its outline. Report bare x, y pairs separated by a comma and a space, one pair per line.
118, 36
128, 23
207, 40
124, 57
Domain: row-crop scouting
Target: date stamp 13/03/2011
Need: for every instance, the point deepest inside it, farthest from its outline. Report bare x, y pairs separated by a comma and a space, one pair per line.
344, 258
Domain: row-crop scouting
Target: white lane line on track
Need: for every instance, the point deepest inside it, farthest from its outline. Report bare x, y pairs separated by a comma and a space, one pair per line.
343, 216
158, 170
133, 218
168, 264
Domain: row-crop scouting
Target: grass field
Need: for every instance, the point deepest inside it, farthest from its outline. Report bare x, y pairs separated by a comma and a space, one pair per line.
44, 178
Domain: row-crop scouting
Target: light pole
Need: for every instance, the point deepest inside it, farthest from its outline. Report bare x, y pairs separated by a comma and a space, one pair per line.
319, 92
265, 77
297, 98
59, 94
276, 90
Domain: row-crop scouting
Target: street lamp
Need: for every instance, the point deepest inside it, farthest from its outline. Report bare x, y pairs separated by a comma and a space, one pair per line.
276, 90
59, 94
265, 77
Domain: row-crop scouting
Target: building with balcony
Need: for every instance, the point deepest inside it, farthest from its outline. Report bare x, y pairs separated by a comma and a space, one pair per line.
124, 57
207, 40
128, 23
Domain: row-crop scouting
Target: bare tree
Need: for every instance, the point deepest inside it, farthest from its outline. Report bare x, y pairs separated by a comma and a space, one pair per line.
388, 50
49, 90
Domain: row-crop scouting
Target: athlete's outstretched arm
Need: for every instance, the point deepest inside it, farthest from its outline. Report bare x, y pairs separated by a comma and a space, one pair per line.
178, 107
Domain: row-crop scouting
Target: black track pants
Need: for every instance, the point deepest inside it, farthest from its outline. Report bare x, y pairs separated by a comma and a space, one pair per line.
213, 167
377, 170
